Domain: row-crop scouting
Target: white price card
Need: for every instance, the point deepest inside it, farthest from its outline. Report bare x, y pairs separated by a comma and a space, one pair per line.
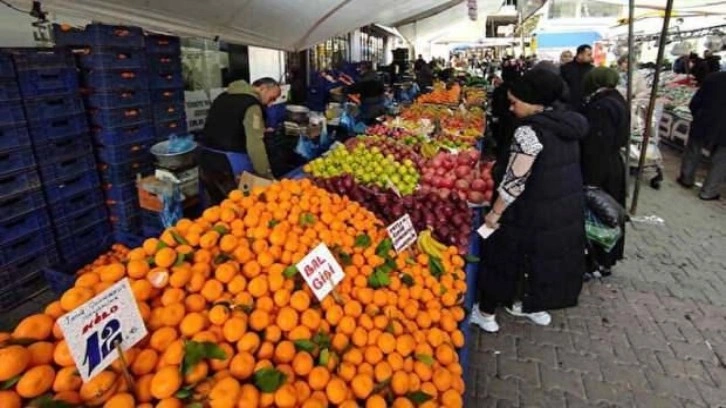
484, 231
402, 233
93, 330
321, 271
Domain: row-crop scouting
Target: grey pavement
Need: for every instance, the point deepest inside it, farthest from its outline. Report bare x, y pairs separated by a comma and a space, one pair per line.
652, 335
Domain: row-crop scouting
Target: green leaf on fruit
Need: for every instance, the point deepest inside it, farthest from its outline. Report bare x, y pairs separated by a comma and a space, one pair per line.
221, 230
418, 397
194, 405
307, 219
410, 261
345, 258
47, 401
362, 241
221, 258
8, 384
272, 223
151, 261
425, 358
384, 247
407, 280
161, 244
322, 339
195, 352
436, 267
471, 258
268, 379
185, 392
442, 290
324, 357
290, 271
180, 258
304, 345
379, 279
178, 238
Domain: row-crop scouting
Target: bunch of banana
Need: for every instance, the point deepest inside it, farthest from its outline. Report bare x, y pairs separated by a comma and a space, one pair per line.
429, 150
429, 245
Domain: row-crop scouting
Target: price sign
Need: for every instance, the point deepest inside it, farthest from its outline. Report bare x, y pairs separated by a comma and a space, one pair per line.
402, 233
93, 330
321, 271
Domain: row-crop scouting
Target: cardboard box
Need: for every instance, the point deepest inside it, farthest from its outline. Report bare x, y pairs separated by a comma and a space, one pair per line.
248, 181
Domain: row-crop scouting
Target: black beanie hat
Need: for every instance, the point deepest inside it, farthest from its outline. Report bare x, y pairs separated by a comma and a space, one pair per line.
538, 87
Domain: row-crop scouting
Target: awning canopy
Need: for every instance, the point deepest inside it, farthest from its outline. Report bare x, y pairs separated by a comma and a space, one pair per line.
281, 24
450, 25
566, 39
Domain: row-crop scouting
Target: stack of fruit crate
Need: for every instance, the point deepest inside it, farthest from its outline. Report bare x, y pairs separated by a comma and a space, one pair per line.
166, 84
115, 77
62, 145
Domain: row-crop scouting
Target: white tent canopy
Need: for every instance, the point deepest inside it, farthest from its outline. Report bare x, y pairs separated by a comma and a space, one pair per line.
450, 26
281, 24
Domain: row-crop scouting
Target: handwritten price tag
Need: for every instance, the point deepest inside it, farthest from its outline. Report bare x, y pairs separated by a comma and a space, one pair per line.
93, 330
321, 271
402, 233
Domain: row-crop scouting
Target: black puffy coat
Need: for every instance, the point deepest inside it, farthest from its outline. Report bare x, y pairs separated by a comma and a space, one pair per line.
707, 107
538, 252
573, 73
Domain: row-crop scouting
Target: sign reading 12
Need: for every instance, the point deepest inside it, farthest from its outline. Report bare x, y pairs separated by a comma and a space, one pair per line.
97, 349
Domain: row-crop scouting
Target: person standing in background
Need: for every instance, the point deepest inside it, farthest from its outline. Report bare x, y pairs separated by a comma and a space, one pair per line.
419, 63
708, 130
573, 74
602, 163
565, 57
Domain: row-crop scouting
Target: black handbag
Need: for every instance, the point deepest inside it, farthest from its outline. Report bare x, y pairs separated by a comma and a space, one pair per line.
605, 207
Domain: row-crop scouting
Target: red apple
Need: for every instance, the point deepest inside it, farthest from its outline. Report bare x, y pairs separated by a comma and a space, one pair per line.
475, 197
462, 171
462, 185
479, 185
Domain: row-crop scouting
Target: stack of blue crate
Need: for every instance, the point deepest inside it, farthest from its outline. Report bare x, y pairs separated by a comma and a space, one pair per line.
27, 243
163, 54
114, 73
61, 141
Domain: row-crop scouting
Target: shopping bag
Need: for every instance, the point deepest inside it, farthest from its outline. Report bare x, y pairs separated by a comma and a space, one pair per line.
306, 148
604, 206
601, 234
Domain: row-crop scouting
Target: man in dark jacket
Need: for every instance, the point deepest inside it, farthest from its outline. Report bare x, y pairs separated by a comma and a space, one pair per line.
419, 63
371, 88
708, 130
233, 137
573, 74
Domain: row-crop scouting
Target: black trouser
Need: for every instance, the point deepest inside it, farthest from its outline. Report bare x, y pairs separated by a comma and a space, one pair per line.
215, 177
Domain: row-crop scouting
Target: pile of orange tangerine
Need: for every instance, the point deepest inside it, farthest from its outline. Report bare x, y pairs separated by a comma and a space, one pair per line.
232, 324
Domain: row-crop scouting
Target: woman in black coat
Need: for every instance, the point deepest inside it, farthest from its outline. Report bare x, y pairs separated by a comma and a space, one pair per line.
602, 162
535, 258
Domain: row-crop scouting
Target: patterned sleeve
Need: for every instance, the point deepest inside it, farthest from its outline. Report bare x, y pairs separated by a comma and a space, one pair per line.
525, 148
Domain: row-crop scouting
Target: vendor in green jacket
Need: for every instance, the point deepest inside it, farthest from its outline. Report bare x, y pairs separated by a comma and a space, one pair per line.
233, 137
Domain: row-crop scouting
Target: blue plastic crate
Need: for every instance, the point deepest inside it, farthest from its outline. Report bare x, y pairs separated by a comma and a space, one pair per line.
112, 58
122, 173
18, 204
16, 160
118, 99
166, 80
48, 82
77, 203
151, 221
42, 58
11, 113
58, 280
164, 129
120, 117
68, 186
159, 43
116, 193
99, 35
124, 153
131, 240
21, 247
65, 167
159, 63
123, 135
14, 137
63, 149
124, 210
52, 107
23, 224
84, 245
168, 111
127, 225
80, 220
18, 182
9, 91
22, 279
167, 95
59, 128
114, 80
7, 70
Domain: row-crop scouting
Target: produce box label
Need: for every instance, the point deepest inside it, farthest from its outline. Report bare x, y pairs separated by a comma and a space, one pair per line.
94, 329
321, 271
402, 233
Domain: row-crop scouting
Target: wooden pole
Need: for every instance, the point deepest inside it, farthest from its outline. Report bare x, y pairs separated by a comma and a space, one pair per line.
629, 92
651, 104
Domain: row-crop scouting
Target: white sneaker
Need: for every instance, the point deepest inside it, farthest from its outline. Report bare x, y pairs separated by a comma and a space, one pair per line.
539, 318
486, 322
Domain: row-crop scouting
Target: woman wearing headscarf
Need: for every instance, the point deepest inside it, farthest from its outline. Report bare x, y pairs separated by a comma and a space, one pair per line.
602, 162
535, 258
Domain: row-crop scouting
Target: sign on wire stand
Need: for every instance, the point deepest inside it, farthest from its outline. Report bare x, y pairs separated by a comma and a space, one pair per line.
321, 271
93, 330
402, 233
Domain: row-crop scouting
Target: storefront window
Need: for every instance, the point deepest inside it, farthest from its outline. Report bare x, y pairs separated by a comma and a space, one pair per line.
203, 64
329, 53
563, 9
372, 48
